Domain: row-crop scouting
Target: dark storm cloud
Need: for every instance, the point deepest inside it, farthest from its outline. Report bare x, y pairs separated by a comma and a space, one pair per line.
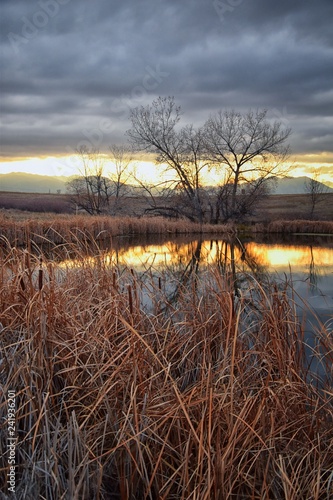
72, 68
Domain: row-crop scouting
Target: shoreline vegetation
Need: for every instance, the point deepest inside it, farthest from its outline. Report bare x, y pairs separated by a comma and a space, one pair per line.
204, 396
59, 229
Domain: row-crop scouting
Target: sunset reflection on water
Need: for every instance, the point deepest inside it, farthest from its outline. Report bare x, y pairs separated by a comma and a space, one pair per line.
308, 267
297, 257
303, 271
278, 257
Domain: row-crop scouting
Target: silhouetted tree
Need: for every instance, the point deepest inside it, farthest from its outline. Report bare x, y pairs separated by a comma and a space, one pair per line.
245, 148
315, 191
91, 190
122, 160
249, 150
154, 129
95, 190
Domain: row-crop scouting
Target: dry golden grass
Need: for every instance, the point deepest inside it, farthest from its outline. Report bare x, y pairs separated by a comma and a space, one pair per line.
203, 398
62, 229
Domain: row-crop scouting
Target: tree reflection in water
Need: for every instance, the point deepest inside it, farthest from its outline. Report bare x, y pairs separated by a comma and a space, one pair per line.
233, 260
246, 271
181, 262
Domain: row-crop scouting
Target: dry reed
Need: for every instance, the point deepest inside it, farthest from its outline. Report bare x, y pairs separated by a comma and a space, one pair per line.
203, 397
63, 229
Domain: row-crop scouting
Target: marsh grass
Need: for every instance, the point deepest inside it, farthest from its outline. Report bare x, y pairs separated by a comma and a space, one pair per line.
205, 397
62, 229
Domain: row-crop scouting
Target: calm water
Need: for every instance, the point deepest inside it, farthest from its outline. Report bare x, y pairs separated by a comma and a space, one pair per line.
304, 262
308, 262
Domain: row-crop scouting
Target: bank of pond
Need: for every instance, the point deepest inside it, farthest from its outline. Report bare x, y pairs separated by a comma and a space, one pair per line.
19, 231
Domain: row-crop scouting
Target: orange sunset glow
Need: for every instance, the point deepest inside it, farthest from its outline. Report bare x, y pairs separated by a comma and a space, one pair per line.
273, 257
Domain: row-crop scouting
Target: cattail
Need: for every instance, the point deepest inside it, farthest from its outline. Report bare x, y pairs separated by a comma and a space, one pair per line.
40, 275
40, 279
130, 299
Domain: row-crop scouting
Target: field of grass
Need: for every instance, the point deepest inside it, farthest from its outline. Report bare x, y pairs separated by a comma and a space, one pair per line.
35, 202
294, 206
207, 396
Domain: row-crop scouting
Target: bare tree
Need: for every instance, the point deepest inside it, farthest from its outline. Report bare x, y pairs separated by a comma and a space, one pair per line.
122, 160
154, 129
315, 190
91, 190
245, 149
249, 149
158, 197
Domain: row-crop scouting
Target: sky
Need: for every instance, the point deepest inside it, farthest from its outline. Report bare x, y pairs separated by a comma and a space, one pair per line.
72, 69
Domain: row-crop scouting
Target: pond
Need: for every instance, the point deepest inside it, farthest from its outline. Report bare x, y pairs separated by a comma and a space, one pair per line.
305, 261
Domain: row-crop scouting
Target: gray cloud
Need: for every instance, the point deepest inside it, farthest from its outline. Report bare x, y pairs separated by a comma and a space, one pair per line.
72, 68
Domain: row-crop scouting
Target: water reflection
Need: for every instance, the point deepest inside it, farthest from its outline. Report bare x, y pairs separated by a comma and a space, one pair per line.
299, 257
182, 260
308, 266
310, 263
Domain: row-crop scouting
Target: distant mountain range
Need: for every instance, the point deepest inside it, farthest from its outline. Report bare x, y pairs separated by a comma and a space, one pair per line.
295, 185
33, 183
